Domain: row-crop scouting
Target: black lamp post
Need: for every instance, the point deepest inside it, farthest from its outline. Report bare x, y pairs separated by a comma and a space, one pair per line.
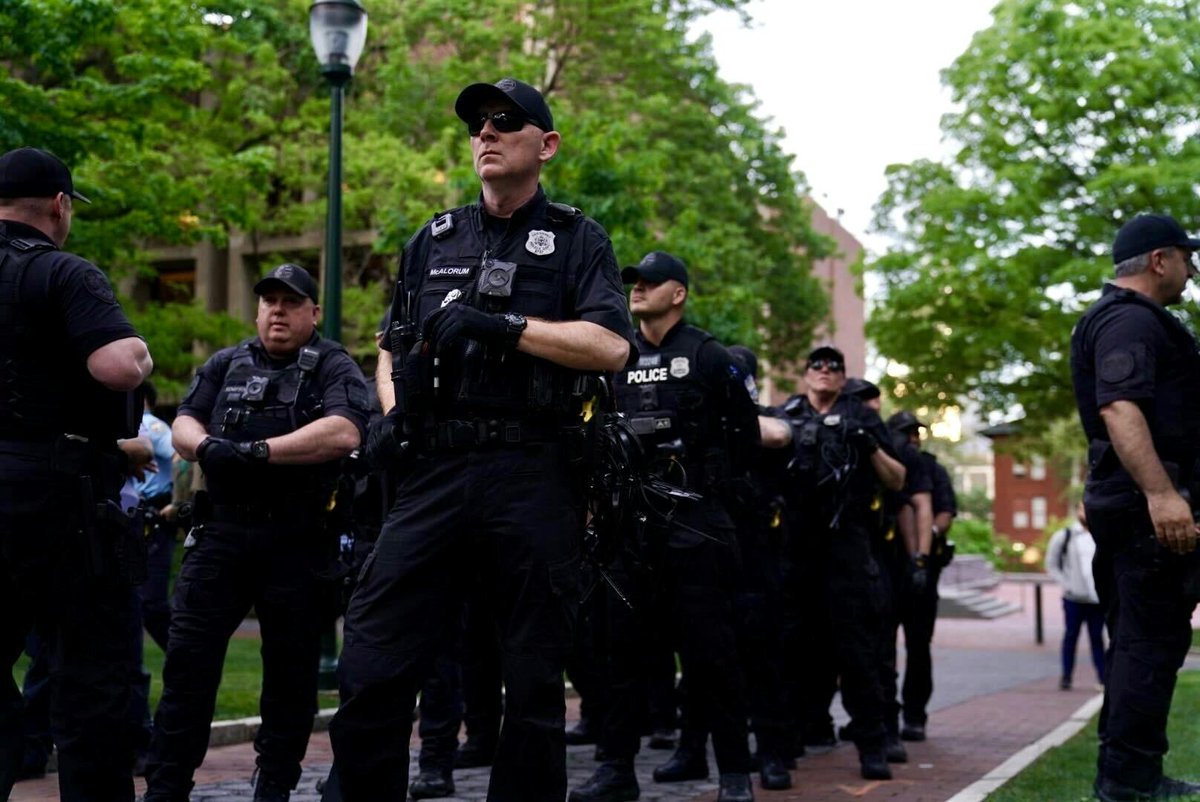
338, 29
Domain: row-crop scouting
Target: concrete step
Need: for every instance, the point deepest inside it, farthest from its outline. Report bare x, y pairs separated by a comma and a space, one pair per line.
967, 603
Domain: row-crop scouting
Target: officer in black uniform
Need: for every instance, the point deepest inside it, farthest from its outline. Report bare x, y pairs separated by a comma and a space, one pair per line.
920, 616
70, 358
1137, 376
842, 452
688, 403
506, 307
269, 420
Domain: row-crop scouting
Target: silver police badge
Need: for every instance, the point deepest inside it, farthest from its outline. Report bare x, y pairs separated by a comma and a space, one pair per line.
680, 367
451, 297
540, 243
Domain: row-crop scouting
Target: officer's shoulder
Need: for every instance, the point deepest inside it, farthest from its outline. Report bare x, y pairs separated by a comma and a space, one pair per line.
443, 225
562, 214
795, 405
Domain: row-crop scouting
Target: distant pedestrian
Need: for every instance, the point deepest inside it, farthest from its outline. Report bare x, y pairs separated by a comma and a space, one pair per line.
1069, 561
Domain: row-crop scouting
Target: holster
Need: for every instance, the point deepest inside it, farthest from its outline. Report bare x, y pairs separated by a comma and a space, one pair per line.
116, 539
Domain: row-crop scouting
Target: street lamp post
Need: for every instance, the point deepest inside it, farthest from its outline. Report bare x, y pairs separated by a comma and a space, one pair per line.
338, 29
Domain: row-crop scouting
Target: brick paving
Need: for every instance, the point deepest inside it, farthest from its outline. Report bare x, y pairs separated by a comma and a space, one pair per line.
997, 692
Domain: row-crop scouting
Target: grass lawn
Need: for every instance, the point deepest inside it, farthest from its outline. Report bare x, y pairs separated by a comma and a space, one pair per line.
241, 681
1065, 774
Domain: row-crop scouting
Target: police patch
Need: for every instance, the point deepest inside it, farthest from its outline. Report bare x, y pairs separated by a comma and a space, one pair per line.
680, 367
97, 284
540, 243
649, 360
1117, 366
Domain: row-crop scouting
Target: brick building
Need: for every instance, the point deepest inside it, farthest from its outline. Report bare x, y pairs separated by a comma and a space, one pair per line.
1030, 492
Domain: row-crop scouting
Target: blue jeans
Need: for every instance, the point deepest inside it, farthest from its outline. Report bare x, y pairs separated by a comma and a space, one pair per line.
1077, 614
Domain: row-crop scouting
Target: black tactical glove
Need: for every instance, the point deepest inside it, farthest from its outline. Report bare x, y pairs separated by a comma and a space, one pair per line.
216, 454
383, 441
444, 326
919, 573
863, 441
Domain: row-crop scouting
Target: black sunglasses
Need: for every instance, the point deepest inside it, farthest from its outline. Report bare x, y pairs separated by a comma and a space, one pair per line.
506, 122
833, 364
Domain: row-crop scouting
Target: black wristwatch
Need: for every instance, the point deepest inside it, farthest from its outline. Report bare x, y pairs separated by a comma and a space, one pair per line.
516, 327
260, 450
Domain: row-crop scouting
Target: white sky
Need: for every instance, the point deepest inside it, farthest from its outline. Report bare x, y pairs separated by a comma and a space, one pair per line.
854, 83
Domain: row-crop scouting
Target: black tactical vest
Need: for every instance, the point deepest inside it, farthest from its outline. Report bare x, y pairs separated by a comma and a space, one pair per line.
529, 271
257, 402
663, 397
43, 391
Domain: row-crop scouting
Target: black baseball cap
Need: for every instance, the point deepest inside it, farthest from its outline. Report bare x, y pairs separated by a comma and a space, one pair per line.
294, 277
35, 173
656, 267
827, 352
521, 95
1147, 232
903, 421
860, 388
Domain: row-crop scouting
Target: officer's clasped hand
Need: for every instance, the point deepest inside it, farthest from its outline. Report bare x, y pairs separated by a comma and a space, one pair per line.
218, 454
862, 440
382, 443
454, 321
919, 573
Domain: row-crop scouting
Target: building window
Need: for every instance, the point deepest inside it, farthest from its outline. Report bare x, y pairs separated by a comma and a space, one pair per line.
1020, 520
1038, 507
1018, 468
1037, 469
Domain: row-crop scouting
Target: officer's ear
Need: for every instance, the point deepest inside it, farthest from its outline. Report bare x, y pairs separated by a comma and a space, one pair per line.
550, 143
316, 314
679, 297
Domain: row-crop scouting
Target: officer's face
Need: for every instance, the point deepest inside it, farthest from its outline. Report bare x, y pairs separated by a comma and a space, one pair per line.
651, 298
286, 320
502, 157
1178, 265
823, 378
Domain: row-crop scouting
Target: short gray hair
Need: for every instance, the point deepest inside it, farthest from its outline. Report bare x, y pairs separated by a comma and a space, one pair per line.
1133, 265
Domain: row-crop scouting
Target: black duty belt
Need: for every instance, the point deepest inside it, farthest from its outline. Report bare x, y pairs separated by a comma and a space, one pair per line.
261, 515
483, 432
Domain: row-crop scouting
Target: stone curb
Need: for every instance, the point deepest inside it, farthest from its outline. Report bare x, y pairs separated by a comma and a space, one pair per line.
241, 730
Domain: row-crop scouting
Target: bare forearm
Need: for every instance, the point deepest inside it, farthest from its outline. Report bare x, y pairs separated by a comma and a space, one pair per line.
923, 506
774, 432
891, 471
576, 344
187, 433
383, 381
329, 438
943, 521
1130, 436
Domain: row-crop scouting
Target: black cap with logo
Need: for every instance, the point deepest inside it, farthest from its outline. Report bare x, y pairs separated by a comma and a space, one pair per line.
35, 173
656, 267
294, 277
521, 95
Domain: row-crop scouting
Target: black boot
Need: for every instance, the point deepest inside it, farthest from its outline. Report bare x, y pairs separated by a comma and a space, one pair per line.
774, 773
269, 790
685, 764
894, 751
662, 739
873, 764
474, 752
735, 788
613, 781
584, 732
431, 784
913, 732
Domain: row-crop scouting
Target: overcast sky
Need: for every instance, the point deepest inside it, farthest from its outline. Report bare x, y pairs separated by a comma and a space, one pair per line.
854, 83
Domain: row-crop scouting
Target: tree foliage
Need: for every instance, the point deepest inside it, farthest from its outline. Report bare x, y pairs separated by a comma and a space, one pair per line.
1072, 117
187, 122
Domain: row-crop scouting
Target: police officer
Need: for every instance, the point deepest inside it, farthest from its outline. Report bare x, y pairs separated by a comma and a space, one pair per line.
514, 302
920, 616
842, 453
688, 402
70, 359
1137, 374
269, 420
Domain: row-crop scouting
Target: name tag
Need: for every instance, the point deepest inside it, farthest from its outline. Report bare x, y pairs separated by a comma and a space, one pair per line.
443, 271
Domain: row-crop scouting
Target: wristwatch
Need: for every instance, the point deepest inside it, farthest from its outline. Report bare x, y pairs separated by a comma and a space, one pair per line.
260, 450
516, 327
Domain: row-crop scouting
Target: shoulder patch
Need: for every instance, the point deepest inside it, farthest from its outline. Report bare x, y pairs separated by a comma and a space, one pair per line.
1117, 366
96, 283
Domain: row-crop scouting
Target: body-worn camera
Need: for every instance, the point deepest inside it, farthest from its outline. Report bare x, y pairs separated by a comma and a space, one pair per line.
256, 388
496, 278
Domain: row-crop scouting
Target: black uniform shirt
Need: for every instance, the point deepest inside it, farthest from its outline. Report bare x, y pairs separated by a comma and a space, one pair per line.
1129, 348
917, 477
339, 380
943, 489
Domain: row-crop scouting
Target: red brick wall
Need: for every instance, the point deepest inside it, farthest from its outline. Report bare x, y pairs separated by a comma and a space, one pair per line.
1016, 491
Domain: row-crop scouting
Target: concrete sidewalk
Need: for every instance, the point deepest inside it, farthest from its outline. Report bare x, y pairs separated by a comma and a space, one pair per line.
996, 694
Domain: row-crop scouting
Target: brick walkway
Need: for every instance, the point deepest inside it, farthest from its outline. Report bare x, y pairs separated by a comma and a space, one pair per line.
996, 694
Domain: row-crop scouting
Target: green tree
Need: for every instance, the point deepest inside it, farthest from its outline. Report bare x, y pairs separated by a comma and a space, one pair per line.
1072, 117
